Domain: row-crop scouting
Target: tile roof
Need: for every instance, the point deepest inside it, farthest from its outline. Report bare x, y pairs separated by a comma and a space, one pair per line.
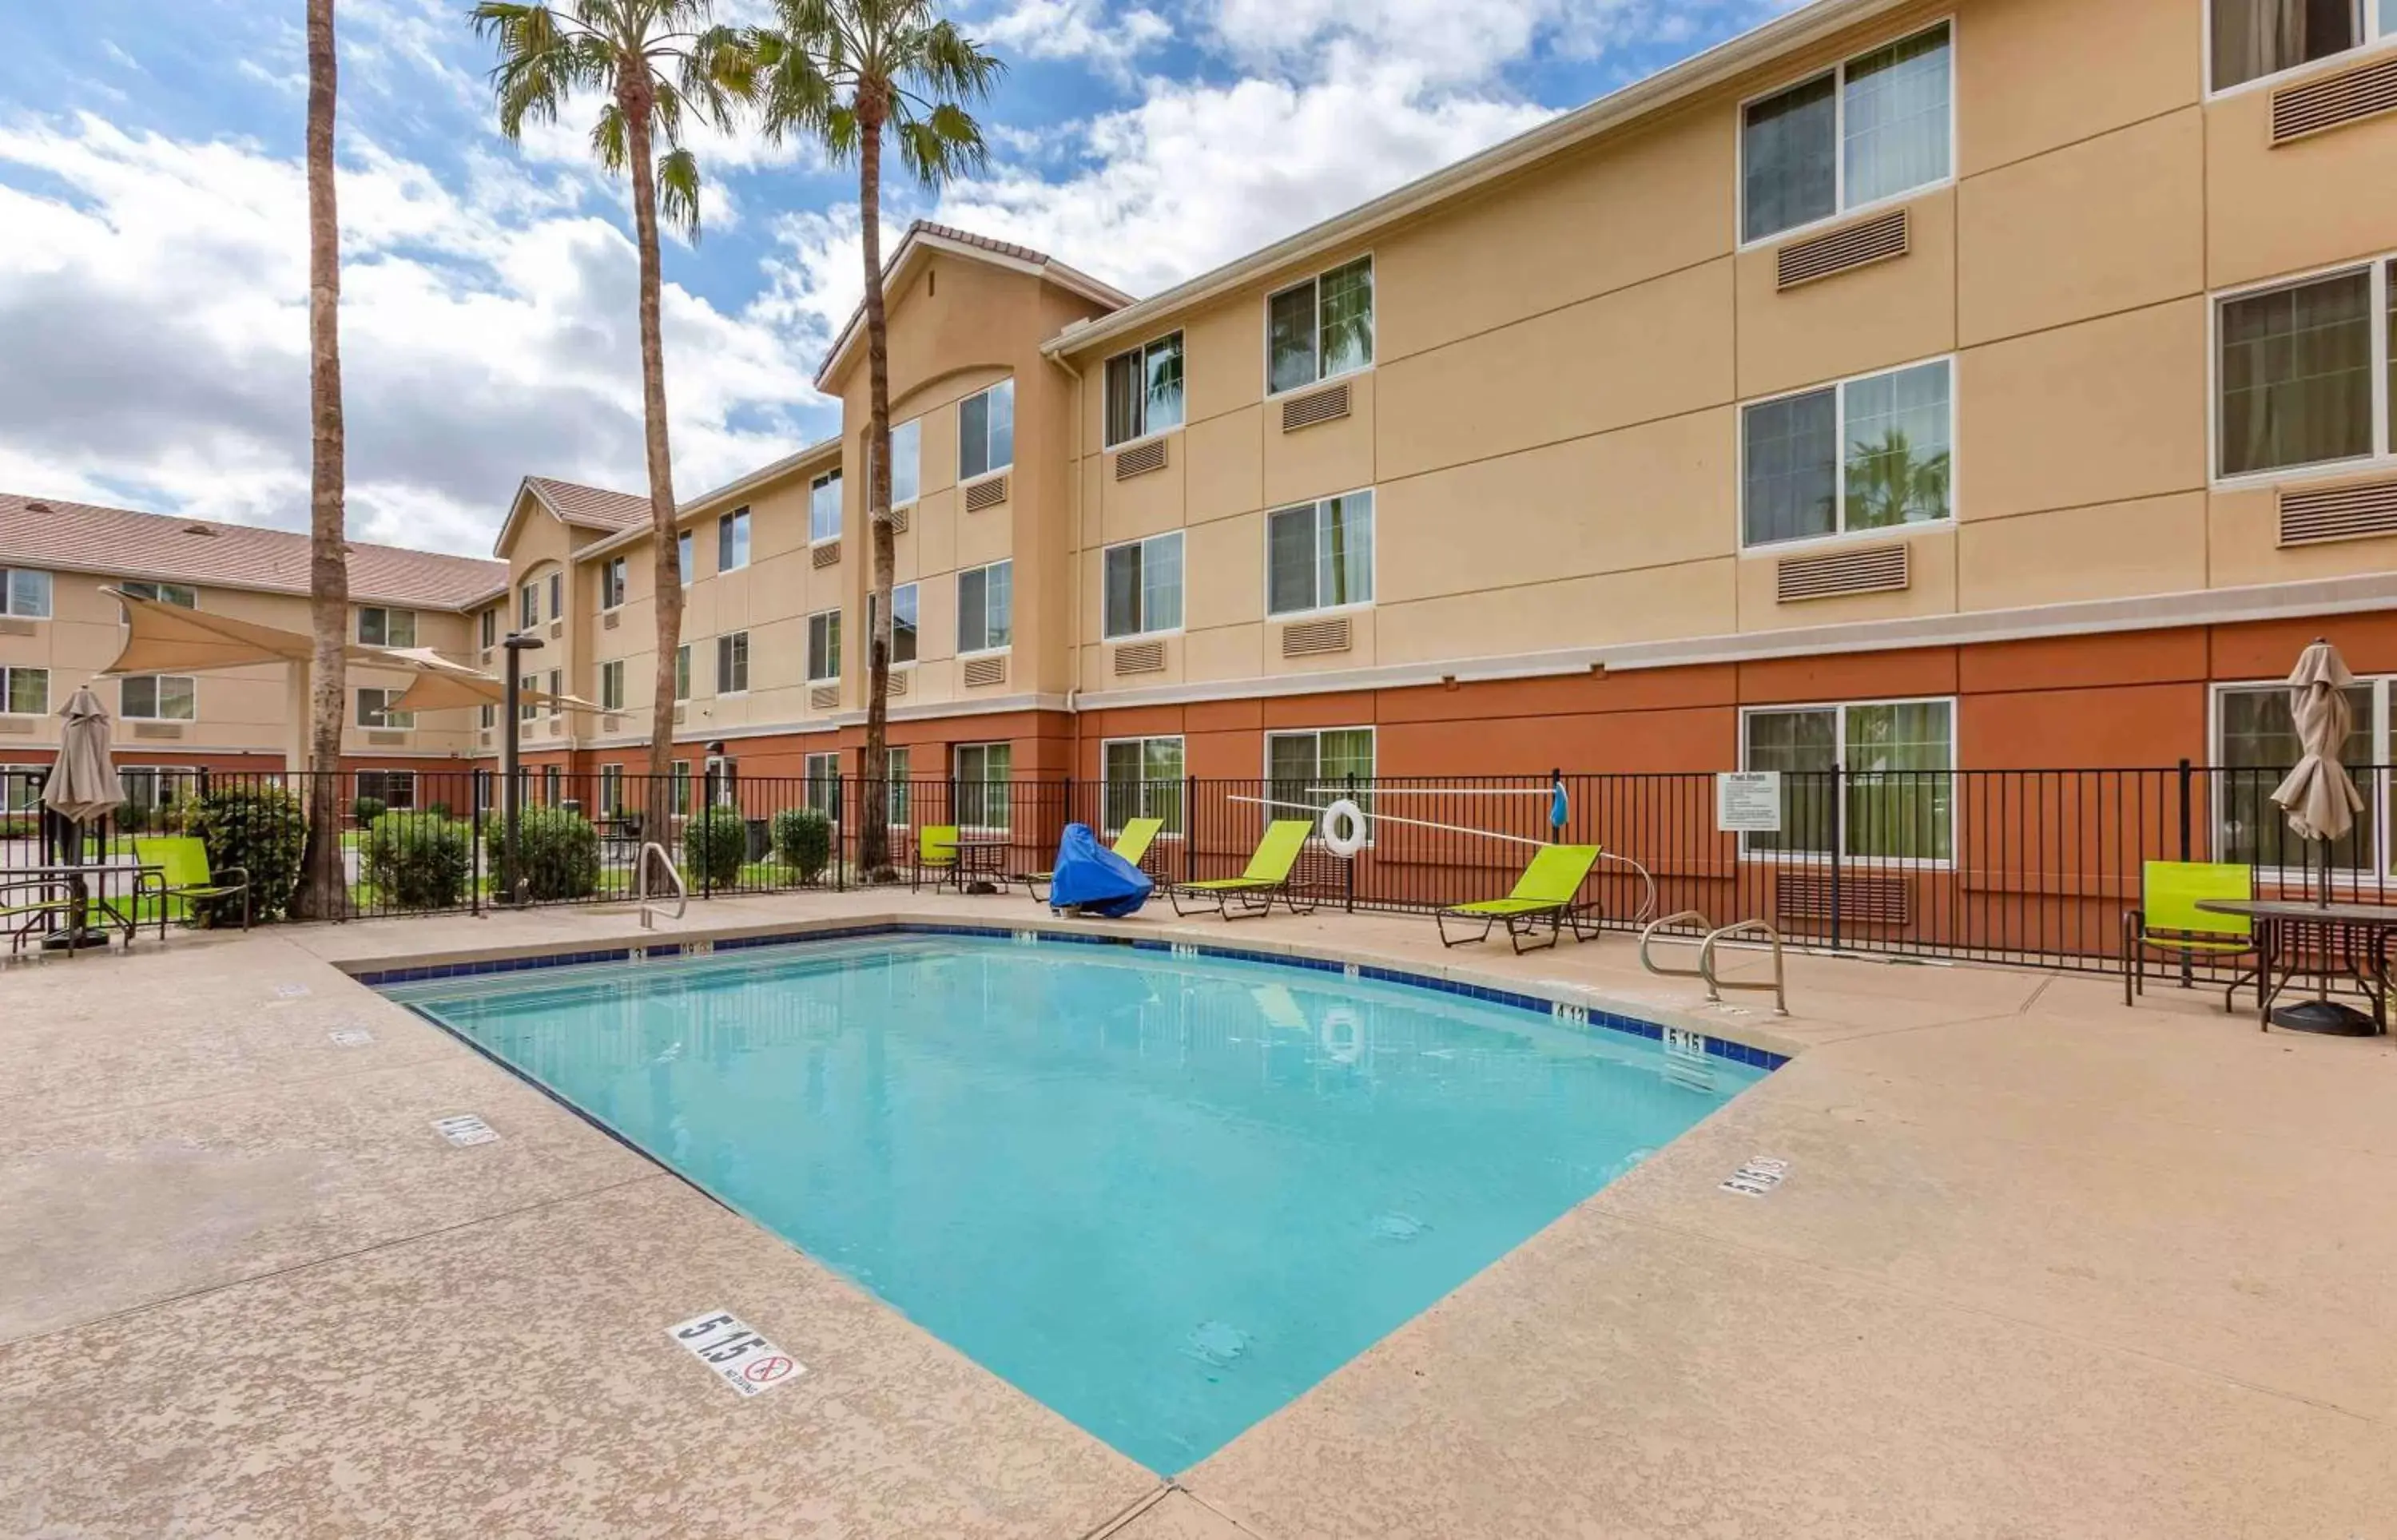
593, 506
119, 542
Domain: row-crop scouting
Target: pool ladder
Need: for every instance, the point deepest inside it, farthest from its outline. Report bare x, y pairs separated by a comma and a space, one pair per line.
1706, 968
641, 885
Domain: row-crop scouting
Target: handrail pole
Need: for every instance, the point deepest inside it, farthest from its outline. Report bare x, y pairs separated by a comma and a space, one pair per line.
1715, 987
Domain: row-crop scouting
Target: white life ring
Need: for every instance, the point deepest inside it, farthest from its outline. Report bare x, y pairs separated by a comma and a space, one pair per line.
1343, 827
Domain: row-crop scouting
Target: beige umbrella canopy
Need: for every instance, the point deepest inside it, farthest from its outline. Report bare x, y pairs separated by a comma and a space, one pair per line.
83, 787
2319, 795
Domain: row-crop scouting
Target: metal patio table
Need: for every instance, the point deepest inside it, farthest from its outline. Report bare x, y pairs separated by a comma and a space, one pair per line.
2355, 941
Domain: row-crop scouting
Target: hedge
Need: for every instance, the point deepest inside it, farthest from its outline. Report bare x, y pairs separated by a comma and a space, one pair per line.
714, 845
561, 854
803, 839
263, 830
417, 861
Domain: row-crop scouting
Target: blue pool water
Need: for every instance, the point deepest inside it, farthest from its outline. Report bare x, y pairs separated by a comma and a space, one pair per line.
1162, 1194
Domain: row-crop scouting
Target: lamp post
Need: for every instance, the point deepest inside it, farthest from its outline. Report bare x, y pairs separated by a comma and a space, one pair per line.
511, 799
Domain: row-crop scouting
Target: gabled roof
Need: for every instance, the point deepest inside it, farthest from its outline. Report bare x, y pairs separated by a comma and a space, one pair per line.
119, 542
924, 237
815, 456
574, 504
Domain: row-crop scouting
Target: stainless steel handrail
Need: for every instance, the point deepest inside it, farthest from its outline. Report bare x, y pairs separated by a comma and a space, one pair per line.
1715, 987
641, 885
1648, 936
1648, 904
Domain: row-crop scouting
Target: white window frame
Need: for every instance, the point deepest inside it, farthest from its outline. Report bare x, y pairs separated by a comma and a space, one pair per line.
528, 604
1840, 463
157, 591
686, 555
817, 535
1266, 749
1141, 354
21, 781
964, 651
724, 647
388, 613
916, 494
1840, 211
155, 713
682, 685
8, 589
1374, 564
2375, 40
821, 768
611, 790
2384, 451
615, 583
988, 470
489, 623
394, 721
1182, 585
732, 530
833, 629
611, 673
916, 589
960, 781
9, 689
2371, 879
386, 777
1264, 329
1840, 709
899, 791
1142, 741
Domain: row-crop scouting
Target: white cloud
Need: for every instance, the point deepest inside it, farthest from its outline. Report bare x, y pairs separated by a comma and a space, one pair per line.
1110, 41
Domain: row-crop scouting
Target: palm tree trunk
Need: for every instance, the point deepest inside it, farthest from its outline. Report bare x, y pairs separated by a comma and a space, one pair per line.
657, 811
874, 817
321, 894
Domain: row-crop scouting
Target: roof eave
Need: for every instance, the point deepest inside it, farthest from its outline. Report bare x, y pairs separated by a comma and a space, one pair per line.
1072, 280
693, 507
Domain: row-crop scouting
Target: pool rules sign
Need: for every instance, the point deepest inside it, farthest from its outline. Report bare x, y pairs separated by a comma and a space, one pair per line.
1748, 802
744, 1360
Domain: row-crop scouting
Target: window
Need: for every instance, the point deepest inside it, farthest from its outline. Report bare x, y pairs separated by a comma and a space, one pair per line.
1316, 768
529, 607
2255, 744
528, 701
2255, 38
1144, 780
374, 707
1145, 390
1867, 454
681, 788
611, 790
899, 763
686, 554
2305, 371
155, 786
489, 716
903, 623
682, 671
985, 607
1143, 582
159, 698
24, 692
24, 593
1878, 126
906, 462
611, 686
614, 573
985, 796
491, 623
732, 663
178, 594
393, 788
823, 646
824, 783
386, 627
1321, 327
824, 508
557, 688
1894, 764
732, 541
550, 777
985, 432
556, 596
1318, 555
21, 787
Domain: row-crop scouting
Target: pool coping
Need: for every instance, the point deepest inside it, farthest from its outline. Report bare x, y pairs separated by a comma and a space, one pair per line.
1564, 1003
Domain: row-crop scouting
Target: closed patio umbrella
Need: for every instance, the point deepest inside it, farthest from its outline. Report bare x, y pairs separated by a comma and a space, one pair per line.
2320, 799
82, 788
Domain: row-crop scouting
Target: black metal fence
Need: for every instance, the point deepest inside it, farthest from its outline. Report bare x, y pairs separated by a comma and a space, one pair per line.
2032, 865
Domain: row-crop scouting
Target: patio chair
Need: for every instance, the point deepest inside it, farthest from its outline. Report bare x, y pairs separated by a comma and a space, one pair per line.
1267, 879
1132, 845
937, 852
183, 875
1544, 895
2169, 921
27, 903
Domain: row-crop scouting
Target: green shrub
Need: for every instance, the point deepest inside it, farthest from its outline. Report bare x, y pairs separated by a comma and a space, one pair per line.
714, 845
803, 839
440, 810
262, 829
368, 809
561, 854
19, 826
417, 861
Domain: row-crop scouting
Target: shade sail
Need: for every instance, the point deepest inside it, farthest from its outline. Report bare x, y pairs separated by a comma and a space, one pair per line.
441, 685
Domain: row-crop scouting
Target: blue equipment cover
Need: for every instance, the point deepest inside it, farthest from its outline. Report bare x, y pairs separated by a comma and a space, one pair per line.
1089, 876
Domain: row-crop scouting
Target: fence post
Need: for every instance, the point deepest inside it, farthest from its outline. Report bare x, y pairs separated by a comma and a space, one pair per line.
1189, 828
1349, 866
1839, 844
2188, 964
475, 811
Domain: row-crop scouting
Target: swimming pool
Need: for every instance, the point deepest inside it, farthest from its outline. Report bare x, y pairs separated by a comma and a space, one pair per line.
1163, 1193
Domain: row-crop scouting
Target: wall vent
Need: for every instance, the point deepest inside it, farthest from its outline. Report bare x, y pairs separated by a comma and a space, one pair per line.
1313, 407
612, 724
1865, 899
894, 683
608, 621
486, 738
11, 625
1843, 251
555, 726
2319, 515
679, 711
15, 726
1878, 569
985, 494
1140, 460
1139, 658
167, 730
824, 698
825, 555
379, 740
557, 628
899, 519
1310, 638
2318, 106
980, 672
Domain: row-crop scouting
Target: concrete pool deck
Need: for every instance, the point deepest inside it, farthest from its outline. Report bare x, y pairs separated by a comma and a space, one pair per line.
2041, 1265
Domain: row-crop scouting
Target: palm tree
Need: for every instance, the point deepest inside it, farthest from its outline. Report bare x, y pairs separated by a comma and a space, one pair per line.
653, 64
321, 894
843, 73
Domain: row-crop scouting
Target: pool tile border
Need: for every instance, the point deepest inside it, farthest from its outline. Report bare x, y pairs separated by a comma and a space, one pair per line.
1596, 1017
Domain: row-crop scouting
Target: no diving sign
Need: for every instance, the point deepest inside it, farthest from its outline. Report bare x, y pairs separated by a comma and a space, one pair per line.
740, 1356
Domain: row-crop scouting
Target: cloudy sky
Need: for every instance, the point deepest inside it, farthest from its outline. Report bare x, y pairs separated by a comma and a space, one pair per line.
153, 283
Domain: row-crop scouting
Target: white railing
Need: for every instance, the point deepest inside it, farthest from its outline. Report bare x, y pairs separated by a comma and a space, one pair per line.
1705, 971
641, 885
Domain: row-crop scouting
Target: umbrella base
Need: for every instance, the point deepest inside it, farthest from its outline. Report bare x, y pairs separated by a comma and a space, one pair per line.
70, 940
2325, 1018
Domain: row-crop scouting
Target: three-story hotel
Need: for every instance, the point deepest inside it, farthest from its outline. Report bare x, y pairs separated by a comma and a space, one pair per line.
1999, 383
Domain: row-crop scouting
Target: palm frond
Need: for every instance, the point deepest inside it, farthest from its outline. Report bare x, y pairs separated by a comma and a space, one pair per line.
678, 192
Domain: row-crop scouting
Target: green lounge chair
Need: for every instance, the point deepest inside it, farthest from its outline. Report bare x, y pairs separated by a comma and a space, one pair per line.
2169, 921
1132, 845
182, 875
937, 852
1267, 878
27, 904
1544, 895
